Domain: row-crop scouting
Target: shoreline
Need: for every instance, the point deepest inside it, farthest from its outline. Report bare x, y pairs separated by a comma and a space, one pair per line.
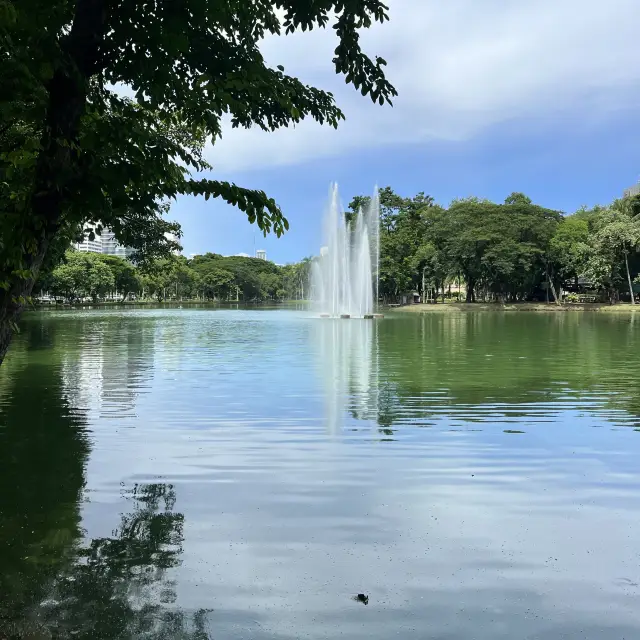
166, 303
539, 307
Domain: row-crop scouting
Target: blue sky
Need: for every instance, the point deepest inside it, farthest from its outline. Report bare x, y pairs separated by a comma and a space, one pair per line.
539, 96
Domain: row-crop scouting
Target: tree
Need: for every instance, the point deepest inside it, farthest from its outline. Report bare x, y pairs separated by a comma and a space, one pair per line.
296, 280
75, 151
67, 279
500, 248
618, 236
270, 284
82, 273
404, 225
518, 198
569, 248
100, 278
218, 283
126, 280
468, 235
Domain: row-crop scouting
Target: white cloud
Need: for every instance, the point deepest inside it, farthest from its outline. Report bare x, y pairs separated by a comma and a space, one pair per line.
459, 67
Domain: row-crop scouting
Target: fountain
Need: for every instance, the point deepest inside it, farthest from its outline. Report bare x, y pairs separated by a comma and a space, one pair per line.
345, 277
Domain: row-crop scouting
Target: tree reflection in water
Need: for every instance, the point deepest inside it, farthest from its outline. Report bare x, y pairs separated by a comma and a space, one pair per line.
118, 586
52, 583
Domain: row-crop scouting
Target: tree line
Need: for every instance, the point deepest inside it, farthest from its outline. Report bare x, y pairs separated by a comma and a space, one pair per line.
510, 251
504, 252
95, 276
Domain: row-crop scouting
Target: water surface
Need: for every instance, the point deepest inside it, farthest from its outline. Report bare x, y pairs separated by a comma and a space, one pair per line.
197, 473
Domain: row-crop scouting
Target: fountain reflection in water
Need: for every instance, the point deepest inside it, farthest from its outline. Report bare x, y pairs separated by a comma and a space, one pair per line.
345, 277
348, 362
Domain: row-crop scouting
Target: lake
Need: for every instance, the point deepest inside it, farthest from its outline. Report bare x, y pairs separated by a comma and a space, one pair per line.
198, 473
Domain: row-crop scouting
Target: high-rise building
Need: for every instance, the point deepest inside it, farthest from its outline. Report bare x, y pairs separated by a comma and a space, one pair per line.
111, 247
261, 254
106, 243
632, 191
87, 245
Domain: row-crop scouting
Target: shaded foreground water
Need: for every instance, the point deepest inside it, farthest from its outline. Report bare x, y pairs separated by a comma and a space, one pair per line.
235, 474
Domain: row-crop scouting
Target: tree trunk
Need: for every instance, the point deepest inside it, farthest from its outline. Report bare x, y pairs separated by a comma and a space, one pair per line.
626, 264
612, 297
553, 287
553, 290
470, 294
58, 157
546, 290
13, 301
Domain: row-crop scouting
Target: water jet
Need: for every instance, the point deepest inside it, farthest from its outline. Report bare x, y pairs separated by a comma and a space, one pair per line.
345, 276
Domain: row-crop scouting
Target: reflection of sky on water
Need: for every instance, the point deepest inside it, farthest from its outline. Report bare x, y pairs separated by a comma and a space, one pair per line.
452, 532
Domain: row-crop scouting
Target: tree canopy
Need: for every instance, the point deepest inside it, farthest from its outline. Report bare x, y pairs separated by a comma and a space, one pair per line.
74, 150
516, 250
208, 277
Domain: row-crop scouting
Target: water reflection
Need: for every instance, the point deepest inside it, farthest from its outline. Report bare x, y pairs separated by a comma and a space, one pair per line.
43, 451
119, 586
110, 364
467, 371
175, 478
54, 581
347, 356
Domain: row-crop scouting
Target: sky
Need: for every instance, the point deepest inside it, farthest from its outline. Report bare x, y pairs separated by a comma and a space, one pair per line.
538, 96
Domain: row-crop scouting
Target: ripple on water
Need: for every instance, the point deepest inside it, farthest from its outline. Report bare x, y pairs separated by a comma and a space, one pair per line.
245, 473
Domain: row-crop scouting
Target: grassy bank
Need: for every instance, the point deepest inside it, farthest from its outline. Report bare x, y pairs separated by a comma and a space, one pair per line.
462, 307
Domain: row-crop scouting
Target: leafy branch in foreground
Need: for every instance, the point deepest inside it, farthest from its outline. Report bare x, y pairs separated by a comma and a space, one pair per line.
73, 151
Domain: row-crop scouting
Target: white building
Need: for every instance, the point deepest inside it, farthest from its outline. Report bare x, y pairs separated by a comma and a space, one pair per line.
105, 243
89, 246
111, 247
261, 254
632, 191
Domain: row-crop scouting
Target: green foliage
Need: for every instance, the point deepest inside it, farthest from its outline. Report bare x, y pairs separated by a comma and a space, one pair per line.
500, 249
217, 283
84, 274
126, 279
73, 151
238, 277
616, 237
512, 251
206, 277
569, 247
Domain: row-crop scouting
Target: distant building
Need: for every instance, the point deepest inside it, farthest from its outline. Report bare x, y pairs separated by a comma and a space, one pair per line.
89, 246
242, 255
111, 247
632, 191
261, 254
105, 243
